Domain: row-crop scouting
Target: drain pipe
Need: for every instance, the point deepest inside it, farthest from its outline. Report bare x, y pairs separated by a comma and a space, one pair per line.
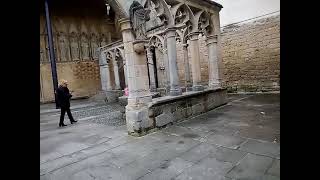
51, 52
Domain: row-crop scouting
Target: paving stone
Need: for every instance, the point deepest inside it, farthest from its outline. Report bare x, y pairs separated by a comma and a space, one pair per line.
207, 169
262, 148
165, 154
71, 147
262, 177
251, 166
228, 141
101, 161
185, 132
275, 168
228, 155
49, 156
199, 152
168, 170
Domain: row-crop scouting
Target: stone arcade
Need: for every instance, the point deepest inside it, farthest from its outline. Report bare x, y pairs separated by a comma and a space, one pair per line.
150, 30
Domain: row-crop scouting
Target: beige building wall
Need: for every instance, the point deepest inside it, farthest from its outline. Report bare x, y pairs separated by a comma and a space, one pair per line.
251, 55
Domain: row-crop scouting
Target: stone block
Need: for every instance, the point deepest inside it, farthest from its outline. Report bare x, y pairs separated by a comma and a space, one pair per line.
157, 110
164, 119
197, 109
180, 114
137, 120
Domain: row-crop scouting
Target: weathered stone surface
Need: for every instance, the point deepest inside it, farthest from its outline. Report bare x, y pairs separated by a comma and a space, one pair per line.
199, 152
138, 120
252, 166
228, 141
228, 155
262, 148
275, 168
207, 169
166, 153
197, 109
168, 170
164, 119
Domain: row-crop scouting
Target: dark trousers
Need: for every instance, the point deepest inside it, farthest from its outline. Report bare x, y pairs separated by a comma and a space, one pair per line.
63, 112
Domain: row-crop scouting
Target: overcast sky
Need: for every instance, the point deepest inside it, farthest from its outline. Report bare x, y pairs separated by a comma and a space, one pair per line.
238, 10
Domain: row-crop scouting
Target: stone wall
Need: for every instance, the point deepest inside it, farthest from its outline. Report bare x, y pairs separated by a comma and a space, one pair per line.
167, 110
78, 30
83, 78
251, 55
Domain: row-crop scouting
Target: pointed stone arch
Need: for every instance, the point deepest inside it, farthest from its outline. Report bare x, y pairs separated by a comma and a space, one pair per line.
204, 23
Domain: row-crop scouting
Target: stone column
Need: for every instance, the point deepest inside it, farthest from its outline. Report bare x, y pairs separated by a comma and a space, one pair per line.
186, 68
125, 73
172, 57
116, 73
153, 87
166, 66
137, 114
104, 72
195, 61
214, 79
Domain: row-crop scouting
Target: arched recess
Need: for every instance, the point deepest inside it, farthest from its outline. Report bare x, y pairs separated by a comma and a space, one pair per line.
184, 17
119, 58
163, 11
110, 58
159, 60
204, 23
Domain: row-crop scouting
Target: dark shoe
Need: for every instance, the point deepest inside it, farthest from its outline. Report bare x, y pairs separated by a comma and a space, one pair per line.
73, 121
61, 125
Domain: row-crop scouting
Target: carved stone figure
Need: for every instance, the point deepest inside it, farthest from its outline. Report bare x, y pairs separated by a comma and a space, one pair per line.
84, 47
74, 47
63, 48
103, 40
94, 46
138, 17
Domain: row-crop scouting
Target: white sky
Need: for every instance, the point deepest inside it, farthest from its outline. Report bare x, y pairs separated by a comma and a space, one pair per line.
238, 10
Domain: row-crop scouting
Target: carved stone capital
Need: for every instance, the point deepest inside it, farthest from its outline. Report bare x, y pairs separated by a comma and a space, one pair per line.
194, 36
171, 32
125, 24
211, 39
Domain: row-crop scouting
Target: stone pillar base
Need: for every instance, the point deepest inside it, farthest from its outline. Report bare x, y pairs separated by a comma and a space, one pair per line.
188, 89
197, 88
175, 92
138, 121
215, 86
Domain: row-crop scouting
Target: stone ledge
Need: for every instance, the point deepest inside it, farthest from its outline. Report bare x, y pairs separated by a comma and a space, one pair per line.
172, 109
168, 99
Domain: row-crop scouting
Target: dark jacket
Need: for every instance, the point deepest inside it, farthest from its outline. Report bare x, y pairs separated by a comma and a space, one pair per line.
63, 97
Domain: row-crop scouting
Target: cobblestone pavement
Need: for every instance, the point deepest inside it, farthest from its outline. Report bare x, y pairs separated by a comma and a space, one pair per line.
240, 140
